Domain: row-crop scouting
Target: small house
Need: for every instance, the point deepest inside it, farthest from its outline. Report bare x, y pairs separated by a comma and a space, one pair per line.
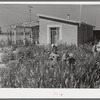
54, 30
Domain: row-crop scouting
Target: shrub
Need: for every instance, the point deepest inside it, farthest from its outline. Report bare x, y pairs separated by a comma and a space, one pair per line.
3, 43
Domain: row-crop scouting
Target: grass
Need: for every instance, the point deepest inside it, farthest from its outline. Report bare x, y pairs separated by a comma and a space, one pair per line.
30, 68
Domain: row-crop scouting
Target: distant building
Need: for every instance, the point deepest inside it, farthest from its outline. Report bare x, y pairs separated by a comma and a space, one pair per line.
50, 30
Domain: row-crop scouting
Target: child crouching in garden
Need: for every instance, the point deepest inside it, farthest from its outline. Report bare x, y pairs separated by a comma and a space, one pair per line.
69, 59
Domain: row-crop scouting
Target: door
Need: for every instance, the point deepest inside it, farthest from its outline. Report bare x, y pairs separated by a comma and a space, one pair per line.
54, 35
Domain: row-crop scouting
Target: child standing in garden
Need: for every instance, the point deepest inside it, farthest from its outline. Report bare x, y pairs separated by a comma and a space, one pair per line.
71, 61
96, 49
54, 58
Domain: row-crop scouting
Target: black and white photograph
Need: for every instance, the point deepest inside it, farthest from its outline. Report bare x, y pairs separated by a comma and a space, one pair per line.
50, 46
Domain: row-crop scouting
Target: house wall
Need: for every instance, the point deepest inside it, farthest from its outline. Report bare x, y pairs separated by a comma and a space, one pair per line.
80, 35
96, 35
69, 31
85, 33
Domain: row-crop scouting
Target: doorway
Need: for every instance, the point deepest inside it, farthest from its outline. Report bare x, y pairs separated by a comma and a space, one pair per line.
54, 35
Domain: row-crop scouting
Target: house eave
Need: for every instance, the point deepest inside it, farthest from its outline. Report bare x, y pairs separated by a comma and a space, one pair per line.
58, 19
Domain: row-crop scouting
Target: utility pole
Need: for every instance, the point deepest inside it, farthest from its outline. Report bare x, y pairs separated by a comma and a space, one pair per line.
31, 36
80, 15
30, 10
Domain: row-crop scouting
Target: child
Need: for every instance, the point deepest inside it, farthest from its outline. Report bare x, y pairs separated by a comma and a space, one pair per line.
96, 49
71, 61
54, 48
54, 57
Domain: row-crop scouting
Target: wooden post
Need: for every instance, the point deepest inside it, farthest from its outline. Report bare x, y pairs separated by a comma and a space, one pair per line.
24, 36
10, 35
15, 35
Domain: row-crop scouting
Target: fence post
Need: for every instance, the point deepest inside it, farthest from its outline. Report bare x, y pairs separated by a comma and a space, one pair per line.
15, 35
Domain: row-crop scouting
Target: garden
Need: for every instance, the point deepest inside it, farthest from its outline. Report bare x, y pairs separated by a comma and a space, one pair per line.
29, 67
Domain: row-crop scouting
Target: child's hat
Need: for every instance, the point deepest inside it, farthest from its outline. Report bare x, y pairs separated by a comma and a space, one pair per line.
54, 45
71, 55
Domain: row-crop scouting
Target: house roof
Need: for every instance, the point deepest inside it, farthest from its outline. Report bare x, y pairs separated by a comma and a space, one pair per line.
61, 19
28, 24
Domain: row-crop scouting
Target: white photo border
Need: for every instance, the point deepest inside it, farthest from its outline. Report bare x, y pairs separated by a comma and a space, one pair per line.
49, 93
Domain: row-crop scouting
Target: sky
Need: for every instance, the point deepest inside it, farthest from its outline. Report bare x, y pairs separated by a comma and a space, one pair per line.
17, 13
